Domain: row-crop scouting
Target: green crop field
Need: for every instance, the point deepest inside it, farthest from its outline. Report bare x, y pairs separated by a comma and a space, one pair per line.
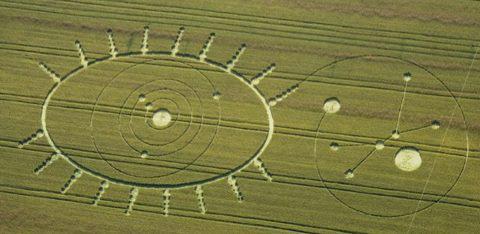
239, 116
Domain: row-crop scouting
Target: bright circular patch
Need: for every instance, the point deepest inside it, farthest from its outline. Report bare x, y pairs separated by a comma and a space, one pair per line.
395, 134
161, 118
334, 146
379, 145
408, 159
216, 95
331, 105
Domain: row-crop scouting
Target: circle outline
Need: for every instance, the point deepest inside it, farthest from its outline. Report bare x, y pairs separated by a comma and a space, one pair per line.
194, 58
465, 124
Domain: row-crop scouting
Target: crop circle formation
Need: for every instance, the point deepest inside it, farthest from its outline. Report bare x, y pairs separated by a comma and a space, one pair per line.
390, 136
161, 117
150, 116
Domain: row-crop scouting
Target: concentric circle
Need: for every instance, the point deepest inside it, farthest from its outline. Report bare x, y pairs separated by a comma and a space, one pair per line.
151, 142
169, 119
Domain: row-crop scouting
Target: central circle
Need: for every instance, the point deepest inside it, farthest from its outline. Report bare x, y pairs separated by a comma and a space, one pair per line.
408, 159
331, 105
161, 118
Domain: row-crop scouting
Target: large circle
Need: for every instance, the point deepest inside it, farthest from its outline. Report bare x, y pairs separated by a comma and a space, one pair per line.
408, 159
328, 154
139, 108
145, 148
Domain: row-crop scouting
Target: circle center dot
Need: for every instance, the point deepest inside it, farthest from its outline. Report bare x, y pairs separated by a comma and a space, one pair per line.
161, 118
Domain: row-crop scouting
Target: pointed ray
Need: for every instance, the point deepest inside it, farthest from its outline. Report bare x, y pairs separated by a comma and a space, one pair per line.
259, 77
49, 71
144, 48
81, 54
76, 174
178, 39
232, 181
113, 49
131, 200
37, 135
236, 57
280, 97
206, 47
101, 190
166, 201
261, 167
201, 201
47, 162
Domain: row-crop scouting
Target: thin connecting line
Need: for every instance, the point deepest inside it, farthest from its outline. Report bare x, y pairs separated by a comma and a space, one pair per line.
445, 135
363, 144
387, 139
369, 154
417, 129
423, 194
364, 159
353, 145
401, 106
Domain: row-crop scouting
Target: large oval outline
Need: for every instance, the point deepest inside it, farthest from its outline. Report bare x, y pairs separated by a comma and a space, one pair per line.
193, 58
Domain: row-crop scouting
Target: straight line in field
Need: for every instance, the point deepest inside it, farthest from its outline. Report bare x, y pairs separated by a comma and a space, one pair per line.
268, 26
401, 107
214, 28
279, 178
363, 159
284, 130
416, 129
281, 75
303, 23
455, 107
179, 212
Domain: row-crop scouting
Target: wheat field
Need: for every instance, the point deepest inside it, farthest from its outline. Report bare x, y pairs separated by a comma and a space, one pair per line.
239, 116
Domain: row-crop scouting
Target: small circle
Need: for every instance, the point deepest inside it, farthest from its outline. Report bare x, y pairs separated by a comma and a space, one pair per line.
435, 124
272, 102
407, 76
334, 146
141, 98
161, 118
396, 134
216, 95
379, 145
349, 174
144, 154
408, 159
40, 133
149, 106
331, 105
77, 173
